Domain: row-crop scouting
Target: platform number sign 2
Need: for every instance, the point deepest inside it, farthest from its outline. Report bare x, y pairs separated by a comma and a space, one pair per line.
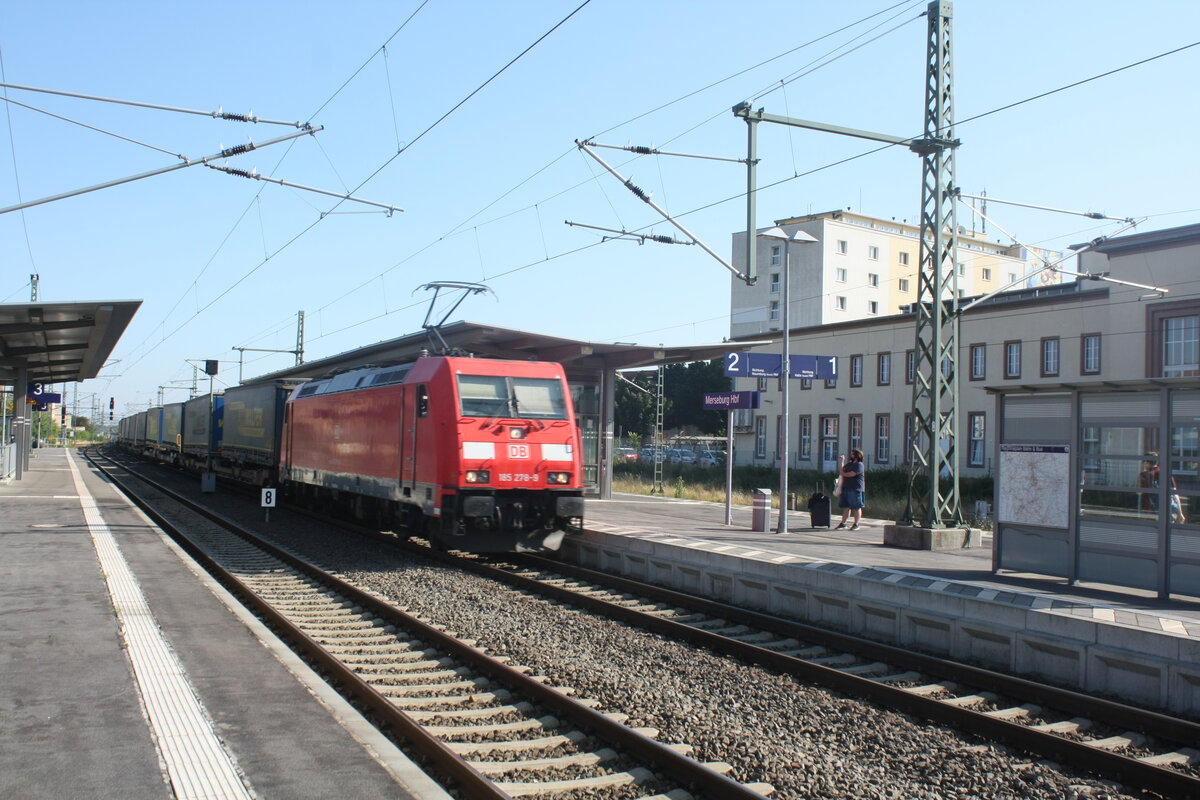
268, 498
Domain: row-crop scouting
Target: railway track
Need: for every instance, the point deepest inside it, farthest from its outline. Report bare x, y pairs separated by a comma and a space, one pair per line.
487, 727
1150, 752
1140, 748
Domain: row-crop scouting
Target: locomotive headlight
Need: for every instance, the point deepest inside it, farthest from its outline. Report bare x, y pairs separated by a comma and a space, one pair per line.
516, 433
558, 478
479, 476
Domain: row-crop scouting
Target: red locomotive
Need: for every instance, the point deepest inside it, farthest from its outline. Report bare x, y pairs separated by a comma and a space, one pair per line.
478, 454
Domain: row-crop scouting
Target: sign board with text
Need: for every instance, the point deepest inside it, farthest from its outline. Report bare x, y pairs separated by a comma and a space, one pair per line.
728, 401
766, 365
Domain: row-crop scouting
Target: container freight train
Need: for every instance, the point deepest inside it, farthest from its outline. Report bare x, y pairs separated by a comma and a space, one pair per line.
475, 454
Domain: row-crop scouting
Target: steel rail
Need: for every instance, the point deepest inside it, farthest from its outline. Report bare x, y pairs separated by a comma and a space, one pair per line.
1165, 781
472, 783
679, 767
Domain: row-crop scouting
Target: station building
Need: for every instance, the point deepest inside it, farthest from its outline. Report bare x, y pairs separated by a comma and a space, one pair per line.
1051, 335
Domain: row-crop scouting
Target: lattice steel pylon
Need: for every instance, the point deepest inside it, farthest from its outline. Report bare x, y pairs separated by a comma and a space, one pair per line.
659, 403
934, 437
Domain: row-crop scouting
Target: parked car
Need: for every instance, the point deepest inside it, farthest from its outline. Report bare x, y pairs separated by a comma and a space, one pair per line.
683, 457
626, 454
710, 458
647, 454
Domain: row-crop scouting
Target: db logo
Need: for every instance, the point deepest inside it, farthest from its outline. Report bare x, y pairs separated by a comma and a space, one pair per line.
518, 451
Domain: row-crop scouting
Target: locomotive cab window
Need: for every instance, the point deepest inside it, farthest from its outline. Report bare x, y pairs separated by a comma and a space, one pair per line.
511, 398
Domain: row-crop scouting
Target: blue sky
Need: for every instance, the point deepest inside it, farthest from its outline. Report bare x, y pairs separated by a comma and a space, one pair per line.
221, 261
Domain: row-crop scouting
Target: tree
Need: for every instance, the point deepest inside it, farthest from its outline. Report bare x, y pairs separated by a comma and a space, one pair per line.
684, 387
633, 410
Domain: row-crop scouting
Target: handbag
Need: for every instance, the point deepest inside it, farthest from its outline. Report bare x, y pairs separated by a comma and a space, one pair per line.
837, 486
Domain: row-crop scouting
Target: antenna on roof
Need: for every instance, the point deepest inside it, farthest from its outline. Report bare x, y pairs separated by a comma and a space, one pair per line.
433, 329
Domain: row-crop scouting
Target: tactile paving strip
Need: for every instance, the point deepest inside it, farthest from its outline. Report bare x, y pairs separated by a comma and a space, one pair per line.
196, 763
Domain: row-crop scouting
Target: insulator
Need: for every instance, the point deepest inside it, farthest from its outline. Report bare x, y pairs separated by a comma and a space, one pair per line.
646, 151
238, 150
242, 172
663, 239
637, 191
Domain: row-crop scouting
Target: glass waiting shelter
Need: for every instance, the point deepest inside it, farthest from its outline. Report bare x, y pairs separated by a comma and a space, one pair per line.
1101, 483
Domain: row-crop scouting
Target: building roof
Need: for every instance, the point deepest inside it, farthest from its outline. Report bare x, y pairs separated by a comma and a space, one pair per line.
490, 341
1150, 240
60, 342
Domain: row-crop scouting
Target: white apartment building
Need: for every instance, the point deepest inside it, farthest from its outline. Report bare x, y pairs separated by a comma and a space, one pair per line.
1068, 334
860, 268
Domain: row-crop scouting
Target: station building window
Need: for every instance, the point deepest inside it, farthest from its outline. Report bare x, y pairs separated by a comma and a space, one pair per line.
1174, 334
1089, 354
978, 362
884, 369
976, 428
1012, 359
856, 370
1050, 357
883, 438
804, 451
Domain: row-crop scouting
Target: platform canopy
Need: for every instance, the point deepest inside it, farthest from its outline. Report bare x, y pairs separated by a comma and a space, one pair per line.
489, 341
60, 342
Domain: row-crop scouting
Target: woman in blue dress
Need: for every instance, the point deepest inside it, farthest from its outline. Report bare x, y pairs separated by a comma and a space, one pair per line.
854, 488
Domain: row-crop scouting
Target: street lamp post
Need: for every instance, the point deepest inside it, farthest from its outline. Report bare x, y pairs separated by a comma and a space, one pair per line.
778, 233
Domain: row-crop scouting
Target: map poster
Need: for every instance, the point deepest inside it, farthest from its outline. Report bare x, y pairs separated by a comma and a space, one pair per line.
1035, 485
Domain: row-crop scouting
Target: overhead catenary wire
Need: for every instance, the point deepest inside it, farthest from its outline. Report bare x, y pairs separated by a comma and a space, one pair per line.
780, 182
12, 147
255, 175
383, 166
228, 152
218, 114
60, 117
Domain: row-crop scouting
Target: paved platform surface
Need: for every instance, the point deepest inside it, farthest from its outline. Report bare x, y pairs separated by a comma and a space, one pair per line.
959, 569
125, 674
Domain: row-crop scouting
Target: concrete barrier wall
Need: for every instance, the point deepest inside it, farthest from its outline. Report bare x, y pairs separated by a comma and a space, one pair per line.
1060, 641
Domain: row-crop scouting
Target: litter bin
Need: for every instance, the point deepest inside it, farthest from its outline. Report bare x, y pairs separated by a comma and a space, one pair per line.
760, 514
818, 506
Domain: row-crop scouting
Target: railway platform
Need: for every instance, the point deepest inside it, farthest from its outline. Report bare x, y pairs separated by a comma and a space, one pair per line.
127, 672
1111, 640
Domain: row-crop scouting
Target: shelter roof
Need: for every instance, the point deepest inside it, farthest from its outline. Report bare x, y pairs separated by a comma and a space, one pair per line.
490, 341
60, 342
